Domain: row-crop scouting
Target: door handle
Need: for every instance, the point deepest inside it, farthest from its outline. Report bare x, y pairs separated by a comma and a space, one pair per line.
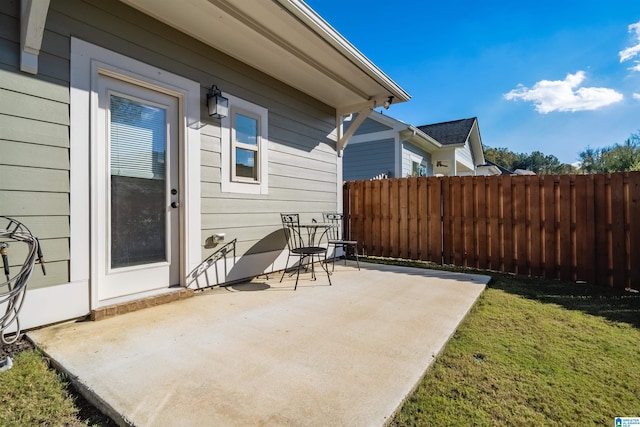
175, 205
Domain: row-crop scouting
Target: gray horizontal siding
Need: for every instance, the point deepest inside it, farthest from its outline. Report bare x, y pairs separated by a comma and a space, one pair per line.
368, 159
27, 203
33, 131
368, 126
465, 155
23, 153
409, 149
19, 178
46, 227
34, 147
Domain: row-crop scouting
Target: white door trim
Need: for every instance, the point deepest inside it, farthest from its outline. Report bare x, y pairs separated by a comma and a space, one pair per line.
87, 62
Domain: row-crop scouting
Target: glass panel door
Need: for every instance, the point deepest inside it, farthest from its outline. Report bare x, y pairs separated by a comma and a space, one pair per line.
136, 188
138, 182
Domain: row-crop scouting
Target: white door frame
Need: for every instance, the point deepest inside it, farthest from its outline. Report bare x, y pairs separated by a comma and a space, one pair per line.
121, 281
88, 61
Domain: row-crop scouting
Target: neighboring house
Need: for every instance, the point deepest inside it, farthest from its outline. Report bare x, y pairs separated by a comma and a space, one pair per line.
502, 169
111, 158
461, 151
384, 145
491, 167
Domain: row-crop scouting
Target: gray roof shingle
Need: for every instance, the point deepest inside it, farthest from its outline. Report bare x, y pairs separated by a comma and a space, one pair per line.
450, 133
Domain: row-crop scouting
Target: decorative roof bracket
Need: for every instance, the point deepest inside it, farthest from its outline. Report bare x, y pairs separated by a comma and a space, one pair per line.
33, 15
363, 111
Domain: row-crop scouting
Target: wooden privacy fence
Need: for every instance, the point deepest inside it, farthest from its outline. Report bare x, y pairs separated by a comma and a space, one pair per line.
572, 227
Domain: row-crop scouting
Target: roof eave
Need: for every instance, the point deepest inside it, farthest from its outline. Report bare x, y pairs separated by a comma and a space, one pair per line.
418, 137
328, 33
285, 39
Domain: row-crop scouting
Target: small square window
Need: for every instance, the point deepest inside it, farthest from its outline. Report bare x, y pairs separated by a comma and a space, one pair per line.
244, 148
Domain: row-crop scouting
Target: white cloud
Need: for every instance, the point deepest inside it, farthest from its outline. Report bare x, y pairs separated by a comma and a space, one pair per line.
633, 51
636, 96
565, 95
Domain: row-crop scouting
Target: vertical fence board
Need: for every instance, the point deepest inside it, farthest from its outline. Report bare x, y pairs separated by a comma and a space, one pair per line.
457, 220
403, 223
376, 248
346, 211
627, 230
535, 227
564, 216
589, 231
384, 218
447, 206
436, 220
482, 247
519, 200
618, 230
357, 213
507, 225
549, 228
601, 222
368, 223
494, 198
468, 251
422, 211
412, 218
394, 217
572, 222
585, 242
634, 230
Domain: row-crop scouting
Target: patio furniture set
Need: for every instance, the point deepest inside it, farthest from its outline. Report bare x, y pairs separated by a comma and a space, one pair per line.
306, 241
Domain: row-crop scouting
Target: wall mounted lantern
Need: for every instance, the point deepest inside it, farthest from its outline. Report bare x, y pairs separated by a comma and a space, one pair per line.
217, 105
388, 103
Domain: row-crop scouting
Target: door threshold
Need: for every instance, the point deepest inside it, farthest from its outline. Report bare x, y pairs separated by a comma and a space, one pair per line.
108, 311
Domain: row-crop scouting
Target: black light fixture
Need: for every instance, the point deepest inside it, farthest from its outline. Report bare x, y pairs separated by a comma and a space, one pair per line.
217, 105
388, 102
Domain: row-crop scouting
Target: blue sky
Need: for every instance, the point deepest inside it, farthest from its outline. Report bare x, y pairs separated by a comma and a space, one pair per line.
554, 76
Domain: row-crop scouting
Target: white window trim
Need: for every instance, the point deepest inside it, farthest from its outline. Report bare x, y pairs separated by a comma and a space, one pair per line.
421, 164
229, 184
235, 144
87, 60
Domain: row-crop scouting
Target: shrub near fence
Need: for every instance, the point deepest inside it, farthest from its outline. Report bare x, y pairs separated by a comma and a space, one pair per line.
571, 227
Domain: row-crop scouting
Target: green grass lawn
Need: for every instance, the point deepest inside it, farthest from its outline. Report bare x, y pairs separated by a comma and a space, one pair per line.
530, 353
33, 395
535, 353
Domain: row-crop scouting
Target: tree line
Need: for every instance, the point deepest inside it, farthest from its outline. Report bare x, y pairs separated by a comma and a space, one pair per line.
619, 157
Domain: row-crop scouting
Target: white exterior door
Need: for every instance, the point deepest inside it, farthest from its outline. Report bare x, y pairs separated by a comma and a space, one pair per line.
137, 189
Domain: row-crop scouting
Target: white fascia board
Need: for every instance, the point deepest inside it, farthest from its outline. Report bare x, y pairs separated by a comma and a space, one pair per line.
373, 136
475, 142
408, 132
420, 139
321, 27
397, 125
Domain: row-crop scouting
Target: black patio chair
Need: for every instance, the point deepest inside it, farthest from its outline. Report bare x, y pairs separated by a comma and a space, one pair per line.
300, 247
336, 238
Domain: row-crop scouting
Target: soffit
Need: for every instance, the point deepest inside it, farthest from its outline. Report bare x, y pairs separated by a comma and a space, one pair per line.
284, 39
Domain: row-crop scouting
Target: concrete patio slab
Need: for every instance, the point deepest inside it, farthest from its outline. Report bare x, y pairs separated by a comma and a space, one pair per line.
261, 353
